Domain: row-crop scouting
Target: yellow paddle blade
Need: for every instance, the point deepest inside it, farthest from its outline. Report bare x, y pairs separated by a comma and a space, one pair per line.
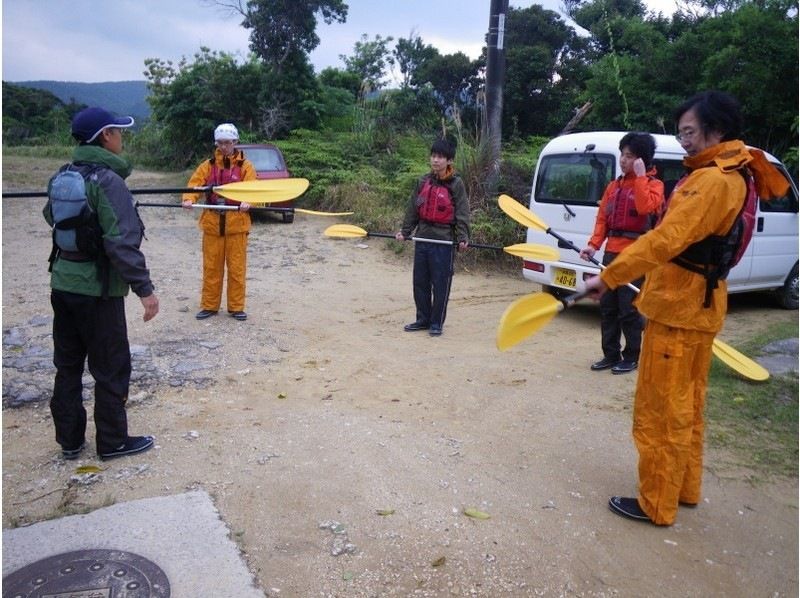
533, 251
315, 213
520, 213
345, 231
524, 317
739, 362
263, 191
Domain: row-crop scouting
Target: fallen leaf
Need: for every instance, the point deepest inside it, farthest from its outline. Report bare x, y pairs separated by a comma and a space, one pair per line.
439, 562
476, 514
281, 395
88, 469
385, 512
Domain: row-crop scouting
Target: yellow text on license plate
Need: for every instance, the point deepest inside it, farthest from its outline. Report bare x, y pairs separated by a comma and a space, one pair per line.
564, 277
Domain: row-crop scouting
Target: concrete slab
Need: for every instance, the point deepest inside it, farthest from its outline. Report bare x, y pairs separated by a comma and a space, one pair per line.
182, 534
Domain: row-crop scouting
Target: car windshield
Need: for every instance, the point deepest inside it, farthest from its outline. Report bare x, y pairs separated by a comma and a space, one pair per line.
264, 158
574, 178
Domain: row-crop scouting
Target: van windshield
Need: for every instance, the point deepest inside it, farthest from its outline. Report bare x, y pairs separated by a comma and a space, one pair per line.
577, 179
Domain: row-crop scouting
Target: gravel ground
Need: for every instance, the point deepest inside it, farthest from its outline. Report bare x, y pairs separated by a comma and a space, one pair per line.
343, 452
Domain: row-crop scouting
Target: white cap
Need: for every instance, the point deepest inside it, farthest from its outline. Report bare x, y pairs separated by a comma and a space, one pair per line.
226, 132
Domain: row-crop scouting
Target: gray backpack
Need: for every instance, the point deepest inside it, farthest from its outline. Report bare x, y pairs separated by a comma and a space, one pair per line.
76, 228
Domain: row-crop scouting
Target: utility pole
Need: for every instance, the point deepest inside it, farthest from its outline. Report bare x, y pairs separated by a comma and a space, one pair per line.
495, 79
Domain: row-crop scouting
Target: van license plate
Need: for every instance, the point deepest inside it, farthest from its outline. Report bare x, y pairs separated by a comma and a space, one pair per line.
564, 277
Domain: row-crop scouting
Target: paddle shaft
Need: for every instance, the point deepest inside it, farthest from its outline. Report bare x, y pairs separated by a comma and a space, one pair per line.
424, 240
211, 207
19, 194
570, 245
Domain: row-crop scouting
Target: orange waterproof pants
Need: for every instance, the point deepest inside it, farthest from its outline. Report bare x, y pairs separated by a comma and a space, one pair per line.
220, 252
668, 422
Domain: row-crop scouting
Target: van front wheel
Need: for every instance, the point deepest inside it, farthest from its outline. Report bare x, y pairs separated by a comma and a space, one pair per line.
787, 294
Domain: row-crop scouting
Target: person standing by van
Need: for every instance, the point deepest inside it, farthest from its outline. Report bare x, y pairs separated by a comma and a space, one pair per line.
224, 231
668, 426
627, 210
439, 211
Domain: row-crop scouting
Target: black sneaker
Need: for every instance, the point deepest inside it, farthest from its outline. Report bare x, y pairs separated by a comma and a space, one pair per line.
624, 366
239, 315
435, 331
627, 507
72, 454
132, 446
605, 363
205, 313
414, 326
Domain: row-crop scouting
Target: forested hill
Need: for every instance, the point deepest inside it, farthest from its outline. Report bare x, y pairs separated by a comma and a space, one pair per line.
122, 97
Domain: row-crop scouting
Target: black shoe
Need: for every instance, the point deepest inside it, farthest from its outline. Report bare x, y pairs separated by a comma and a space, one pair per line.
414, 326
605, 363
624, 366
132, 446
239, 315
627, 507
205, 313
72, 454
435, 330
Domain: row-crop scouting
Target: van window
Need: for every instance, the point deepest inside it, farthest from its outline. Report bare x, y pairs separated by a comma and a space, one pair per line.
669, 171
787, 203
578, 179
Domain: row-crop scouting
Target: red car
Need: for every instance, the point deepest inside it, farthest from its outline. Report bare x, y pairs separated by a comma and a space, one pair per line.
269, 163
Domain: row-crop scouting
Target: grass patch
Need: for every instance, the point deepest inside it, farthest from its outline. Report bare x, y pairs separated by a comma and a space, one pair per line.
755, 421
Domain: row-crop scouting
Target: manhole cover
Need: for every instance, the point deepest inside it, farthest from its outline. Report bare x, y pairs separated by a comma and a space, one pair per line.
88, 574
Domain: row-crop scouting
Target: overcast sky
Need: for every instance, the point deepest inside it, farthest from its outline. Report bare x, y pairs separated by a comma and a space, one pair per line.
108, 40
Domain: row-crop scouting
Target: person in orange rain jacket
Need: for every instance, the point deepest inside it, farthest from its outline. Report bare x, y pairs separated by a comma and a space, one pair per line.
224, 231
676, 352
628, 209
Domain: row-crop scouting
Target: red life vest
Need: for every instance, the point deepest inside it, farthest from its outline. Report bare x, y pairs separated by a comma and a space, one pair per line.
622, 219
435, 202
223, 176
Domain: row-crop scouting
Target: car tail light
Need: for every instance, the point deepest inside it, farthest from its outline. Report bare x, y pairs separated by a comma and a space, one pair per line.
535, 266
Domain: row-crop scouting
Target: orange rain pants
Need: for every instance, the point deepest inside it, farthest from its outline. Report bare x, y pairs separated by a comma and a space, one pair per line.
219, 252
668, 417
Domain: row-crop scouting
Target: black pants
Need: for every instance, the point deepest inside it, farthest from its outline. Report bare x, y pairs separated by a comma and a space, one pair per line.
90, 327
433, 273
619, 317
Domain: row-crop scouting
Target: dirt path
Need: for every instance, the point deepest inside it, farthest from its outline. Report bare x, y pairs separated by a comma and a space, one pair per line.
320, 410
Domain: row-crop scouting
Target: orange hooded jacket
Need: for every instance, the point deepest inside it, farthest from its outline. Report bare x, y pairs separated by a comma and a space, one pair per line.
706, 203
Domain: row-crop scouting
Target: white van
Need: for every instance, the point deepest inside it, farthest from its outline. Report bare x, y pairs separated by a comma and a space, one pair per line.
572, 173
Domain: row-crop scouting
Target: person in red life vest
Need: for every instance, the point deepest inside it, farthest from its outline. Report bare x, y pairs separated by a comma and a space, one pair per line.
224, 231
438, 211
627, 210
682, 317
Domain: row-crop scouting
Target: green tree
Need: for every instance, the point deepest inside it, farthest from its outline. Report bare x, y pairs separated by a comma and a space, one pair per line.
452, 76
189, 100
411, 55
341, 79
35, 115
370, 60
283, 33
281, 28
544, 71
752, 54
